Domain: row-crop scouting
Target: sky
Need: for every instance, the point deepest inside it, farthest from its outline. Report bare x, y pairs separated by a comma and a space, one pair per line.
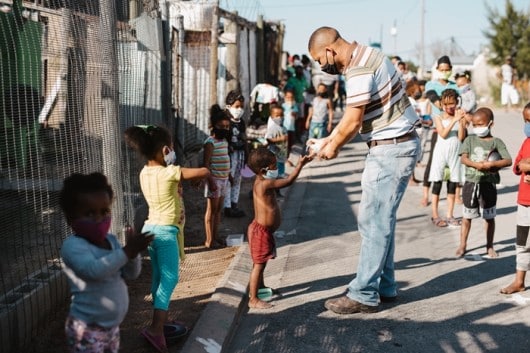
367, 21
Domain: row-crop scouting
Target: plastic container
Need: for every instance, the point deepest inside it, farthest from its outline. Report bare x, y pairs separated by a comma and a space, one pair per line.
234, 239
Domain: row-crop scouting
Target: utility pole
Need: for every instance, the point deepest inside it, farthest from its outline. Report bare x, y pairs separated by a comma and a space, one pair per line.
422, 40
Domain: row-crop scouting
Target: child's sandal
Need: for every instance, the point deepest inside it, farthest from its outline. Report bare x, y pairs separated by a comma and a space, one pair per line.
439, 222
453, 222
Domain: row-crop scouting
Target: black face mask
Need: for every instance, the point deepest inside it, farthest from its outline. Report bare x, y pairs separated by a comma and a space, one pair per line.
221, 133
330, 68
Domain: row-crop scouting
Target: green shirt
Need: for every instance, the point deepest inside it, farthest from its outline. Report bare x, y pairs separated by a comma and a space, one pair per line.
477, 150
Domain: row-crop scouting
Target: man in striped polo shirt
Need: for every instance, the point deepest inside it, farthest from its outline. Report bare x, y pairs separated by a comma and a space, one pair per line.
378, 109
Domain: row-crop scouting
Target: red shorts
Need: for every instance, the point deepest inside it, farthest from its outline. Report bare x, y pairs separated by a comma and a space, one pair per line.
261, 243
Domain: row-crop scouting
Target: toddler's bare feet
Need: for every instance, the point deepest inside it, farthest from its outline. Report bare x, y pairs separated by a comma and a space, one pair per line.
492, 253
513, 288
460, 251
258, 304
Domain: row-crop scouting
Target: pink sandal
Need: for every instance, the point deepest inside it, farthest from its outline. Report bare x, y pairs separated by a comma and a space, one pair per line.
159, 342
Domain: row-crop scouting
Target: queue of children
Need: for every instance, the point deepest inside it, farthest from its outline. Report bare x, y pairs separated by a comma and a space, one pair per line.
94, 257
463, 152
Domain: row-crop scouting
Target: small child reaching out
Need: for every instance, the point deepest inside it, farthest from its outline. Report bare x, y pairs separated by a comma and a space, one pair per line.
267, 217
161, 184
96, 265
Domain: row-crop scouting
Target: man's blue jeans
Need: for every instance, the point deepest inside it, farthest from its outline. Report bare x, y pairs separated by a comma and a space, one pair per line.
385, 177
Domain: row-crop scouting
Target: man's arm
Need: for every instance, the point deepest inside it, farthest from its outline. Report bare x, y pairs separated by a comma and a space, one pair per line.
346, 129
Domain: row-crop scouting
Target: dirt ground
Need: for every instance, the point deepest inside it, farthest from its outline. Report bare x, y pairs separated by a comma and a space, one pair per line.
199, 275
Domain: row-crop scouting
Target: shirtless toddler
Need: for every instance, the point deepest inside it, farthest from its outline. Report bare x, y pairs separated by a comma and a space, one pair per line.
267, 217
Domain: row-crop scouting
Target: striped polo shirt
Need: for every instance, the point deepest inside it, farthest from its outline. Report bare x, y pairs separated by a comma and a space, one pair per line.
220, 162
372, 81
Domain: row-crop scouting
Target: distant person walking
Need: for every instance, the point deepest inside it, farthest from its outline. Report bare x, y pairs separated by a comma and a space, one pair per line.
509, 94
388, 126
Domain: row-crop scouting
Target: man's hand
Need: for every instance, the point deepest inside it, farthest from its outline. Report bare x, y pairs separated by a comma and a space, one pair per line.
329, 151
322, 148
314, 146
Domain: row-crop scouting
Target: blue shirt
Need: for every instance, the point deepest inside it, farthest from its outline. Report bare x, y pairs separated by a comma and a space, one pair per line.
96, 277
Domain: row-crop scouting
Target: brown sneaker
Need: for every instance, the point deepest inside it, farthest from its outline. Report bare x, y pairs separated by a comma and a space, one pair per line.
384, 299
345, 305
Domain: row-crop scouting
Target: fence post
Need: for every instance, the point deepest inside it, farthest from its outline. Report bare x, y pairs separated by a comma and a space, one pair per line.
260, 50
181, 122
111, 134
214, 44
232, 54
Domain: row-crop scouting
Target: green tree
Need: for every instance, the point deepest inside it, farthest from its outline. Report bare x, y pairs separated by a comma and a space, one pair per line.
509, 34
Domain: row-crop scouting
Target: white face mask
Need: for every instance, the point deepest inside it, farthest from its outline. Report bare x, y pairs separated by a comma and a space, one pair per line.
271, 174
236, 113
444, 75
482, 131
170, 158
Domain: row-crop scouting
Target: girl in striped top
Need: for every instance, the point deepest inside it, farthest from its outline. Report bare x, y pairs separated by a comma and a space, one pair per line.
217, 160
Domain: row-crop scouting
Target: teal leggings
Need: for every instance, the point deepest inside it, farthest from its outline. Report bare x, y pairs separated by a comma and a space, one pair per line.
164, 253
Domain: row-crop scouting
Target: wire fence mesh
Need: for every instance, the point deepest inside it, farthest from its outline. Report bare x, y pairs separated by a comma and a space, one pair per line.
73, 76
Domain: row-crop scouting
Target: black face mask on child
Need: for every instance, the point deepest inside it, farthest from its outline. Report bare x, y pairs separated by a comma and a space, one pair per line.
221, 133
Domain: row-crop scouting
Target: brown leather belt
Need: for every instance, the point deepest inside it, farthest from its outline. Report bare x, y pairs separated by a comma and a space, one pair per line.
407, 137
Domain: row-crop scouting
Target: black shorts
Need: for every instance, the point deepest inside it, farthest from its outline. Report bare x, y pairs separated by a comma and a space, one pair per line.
479, 195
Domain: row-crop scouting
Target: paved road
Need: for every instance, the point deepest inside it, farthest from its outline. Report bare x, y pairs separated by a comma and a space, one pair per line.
445, 304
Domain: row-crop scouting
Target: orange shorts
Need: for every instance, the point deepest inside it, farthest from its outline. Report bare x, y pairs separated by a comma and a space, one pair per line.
261, 243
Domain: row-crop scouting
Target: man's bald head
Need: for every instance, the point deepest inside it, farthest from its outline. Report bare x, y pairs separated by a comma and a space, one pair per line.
322, 37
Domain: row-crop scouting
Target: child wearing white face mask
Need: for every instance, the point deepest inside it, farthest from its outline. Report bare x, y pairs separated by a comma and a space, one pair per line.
160, 181
267, 216
238, 152
277, 137
482, 155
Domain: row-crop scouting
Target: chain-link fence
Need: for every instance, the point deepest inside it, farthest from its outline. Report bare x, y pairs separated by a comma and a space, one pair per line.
73, 76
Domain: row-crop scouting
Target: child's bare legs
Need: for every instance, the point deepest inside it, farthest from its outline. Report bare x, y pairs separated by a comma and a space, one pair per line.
434, 206
464, 233
159, 320
425, 198
450, 205
490, 232
256, 281
517, 285
458, 195
217, 220
212, 218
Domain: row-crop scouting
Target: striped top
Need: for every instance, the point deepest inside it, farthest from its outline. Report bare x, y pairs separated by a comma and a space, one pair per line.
220, 162
372, 81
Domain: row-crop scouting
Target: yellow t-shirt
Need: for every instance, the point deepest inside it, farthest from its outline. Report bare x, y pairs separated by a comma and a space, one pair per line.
163, 192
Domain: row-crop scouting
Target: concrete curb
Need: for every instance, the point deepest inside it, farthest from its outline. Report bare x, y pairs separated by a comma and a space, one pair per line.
213, 329
219, 320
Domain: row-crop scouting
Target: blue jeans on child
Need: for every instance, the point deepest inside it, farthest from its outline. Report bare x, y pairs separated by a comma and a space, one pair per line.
317, 130
281, 168
385, 177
